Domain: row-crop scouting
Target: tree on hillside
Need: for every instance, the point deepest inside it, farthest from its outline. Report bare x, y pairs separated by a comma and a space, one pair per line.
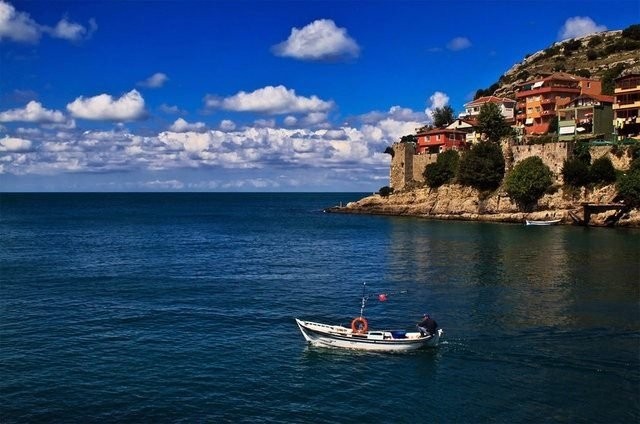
528, 181
409, 138
442, 116
492, 123
632, 32
482, 167
629, 185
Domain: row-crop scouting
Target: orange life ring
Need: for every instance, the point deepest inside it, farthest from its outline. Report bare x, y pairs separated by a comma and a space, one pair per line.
359, 325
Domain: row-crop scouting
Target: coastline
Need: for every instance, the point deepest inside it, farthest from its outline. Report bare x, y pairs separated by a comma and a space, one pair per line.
455, 202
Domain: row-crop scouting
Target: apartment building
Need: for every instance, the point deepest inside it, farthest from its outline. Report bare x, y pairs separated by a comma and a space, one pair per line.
626, 107
586, 116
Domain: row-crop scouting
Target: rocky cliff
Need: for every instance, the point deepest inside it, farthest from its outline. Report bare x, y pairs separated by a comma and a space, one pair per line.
458, 202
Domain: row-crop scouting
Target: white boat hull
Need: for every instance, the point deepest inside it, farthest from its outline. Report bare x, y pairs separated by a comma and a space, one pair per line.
336, 336
552, 222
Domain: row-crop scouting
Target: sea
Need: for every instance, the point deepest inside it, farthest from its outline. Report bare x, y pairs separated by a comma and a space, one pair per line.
180, 307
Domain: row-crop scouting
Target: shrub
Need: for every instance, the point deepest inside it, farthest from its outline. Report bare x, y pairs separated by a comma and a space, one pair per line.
482, 167
385, 191
592, 54
628, 187
443, 170
594, 41
602, 171
575, 172
528, 181
583, 73
632, 32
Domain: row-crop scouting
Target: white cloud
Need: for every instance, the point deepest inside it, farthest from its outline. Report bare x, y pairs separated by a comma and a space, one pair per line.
290, 121
163, 185
17, 26
436, 100
320, 40
12, 144
156, 80
103, 107
579, 26
180, 125
270, 100
170, 109
72, 31
227, 125
459, 43
33, 112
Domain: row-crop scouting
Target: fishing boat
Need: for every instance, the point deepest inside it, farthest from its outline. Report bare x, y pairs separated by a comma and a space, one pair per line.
359, 337
550, 222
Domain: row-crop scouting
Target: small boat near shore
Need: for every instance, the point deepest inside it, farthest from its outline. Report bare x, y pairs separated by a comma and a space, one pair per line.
359, 337
549, 222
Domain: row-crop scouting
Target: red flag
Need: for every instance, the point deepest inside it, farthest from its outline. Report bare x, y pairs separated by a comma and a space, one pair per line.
382, 297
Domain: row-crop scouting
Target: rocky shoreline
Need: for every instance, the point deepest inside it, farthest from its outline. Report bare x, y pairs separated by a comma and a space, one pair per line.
456, 202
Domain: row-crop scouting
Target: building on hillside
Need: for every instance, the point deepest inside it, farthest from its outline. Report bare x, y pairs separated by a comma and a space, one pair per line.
507, 107
586, 116
469, 127
626, 107
538, 99
440, 139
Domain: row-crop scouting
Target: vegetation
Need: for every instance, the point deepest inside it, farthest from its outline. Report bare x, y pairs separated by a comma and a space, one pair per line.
443, 170
442, 116
492, 123
575, 172
609, 76
385, 191
602, 171
410, 138
482, 167
628, 185
632, 32
528, 181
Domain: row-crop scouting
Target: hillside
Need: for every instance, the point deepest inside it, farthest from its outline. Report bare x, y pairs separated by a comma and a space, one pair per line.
602, 56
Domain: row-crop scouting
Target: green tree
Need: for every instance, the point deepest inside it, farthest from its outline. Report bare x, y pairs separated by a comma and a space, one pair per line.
482, 167
602, 171
443, 170
492, 123
410, 138
628, 187
575, 172
528, 181
442, 116
632, 32
385, 191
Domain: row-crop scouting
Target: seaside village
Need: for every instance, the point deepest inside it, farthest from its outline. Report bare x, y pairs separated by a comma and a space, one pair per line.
549, 114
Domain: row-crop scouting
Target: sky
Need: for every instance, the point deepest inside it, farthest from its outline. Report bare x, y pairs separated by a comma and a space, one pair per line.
252, 96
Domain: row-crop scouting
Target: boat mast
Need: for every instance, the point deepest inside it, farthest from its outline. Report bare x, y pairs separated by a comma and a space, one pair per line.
364, 298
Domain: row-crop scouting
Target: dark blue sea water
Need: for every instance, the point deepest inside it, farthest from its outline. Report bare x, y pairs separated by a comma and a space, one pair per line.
180, 307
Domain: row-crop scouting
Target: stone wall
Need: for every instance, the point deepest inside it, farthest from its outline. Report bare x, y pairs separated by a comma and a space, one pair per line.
621, 161
420, 163
407, 168
552, 154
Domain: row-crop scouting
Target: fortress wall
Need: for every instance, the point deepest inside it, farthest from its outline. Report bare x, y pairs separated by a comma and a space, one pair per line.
552, 154
621, 161
401, 165
420, 163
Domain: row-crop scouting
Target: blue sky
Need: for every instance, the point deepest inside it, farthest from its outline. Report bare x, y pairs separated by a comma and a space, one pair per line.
249, 95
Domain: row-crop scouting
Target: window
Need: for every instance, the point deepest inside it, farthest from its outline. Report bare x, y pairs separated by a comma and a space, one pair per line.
438, 137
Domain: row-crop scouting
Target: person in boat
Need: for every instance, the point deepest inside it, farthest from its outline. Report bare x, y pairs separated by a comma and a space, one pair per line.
428, 326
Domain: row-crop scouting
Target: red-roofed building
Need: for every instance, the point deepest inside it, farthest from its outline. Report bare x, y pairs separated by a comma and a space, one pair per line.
538, 99
507, 106
440, 139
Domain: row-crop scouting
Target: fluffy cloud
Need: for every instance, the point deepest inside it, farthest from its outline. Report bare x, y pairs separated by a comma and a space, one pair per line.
156, 80
12, 144
436, 100
72, 31
459, 43
103, 107
33, 112
18, 26
227, 125
318, 41
270, 100
180, 125
579, 26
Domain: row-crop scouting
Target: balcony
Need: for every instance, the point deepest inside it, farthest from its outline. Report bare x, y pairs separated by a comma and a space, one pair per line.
548, 112
626, 105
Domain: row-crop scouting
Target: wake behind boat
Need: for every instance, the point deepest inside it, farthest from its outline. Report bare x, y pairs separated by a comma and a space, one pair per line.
359, 336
